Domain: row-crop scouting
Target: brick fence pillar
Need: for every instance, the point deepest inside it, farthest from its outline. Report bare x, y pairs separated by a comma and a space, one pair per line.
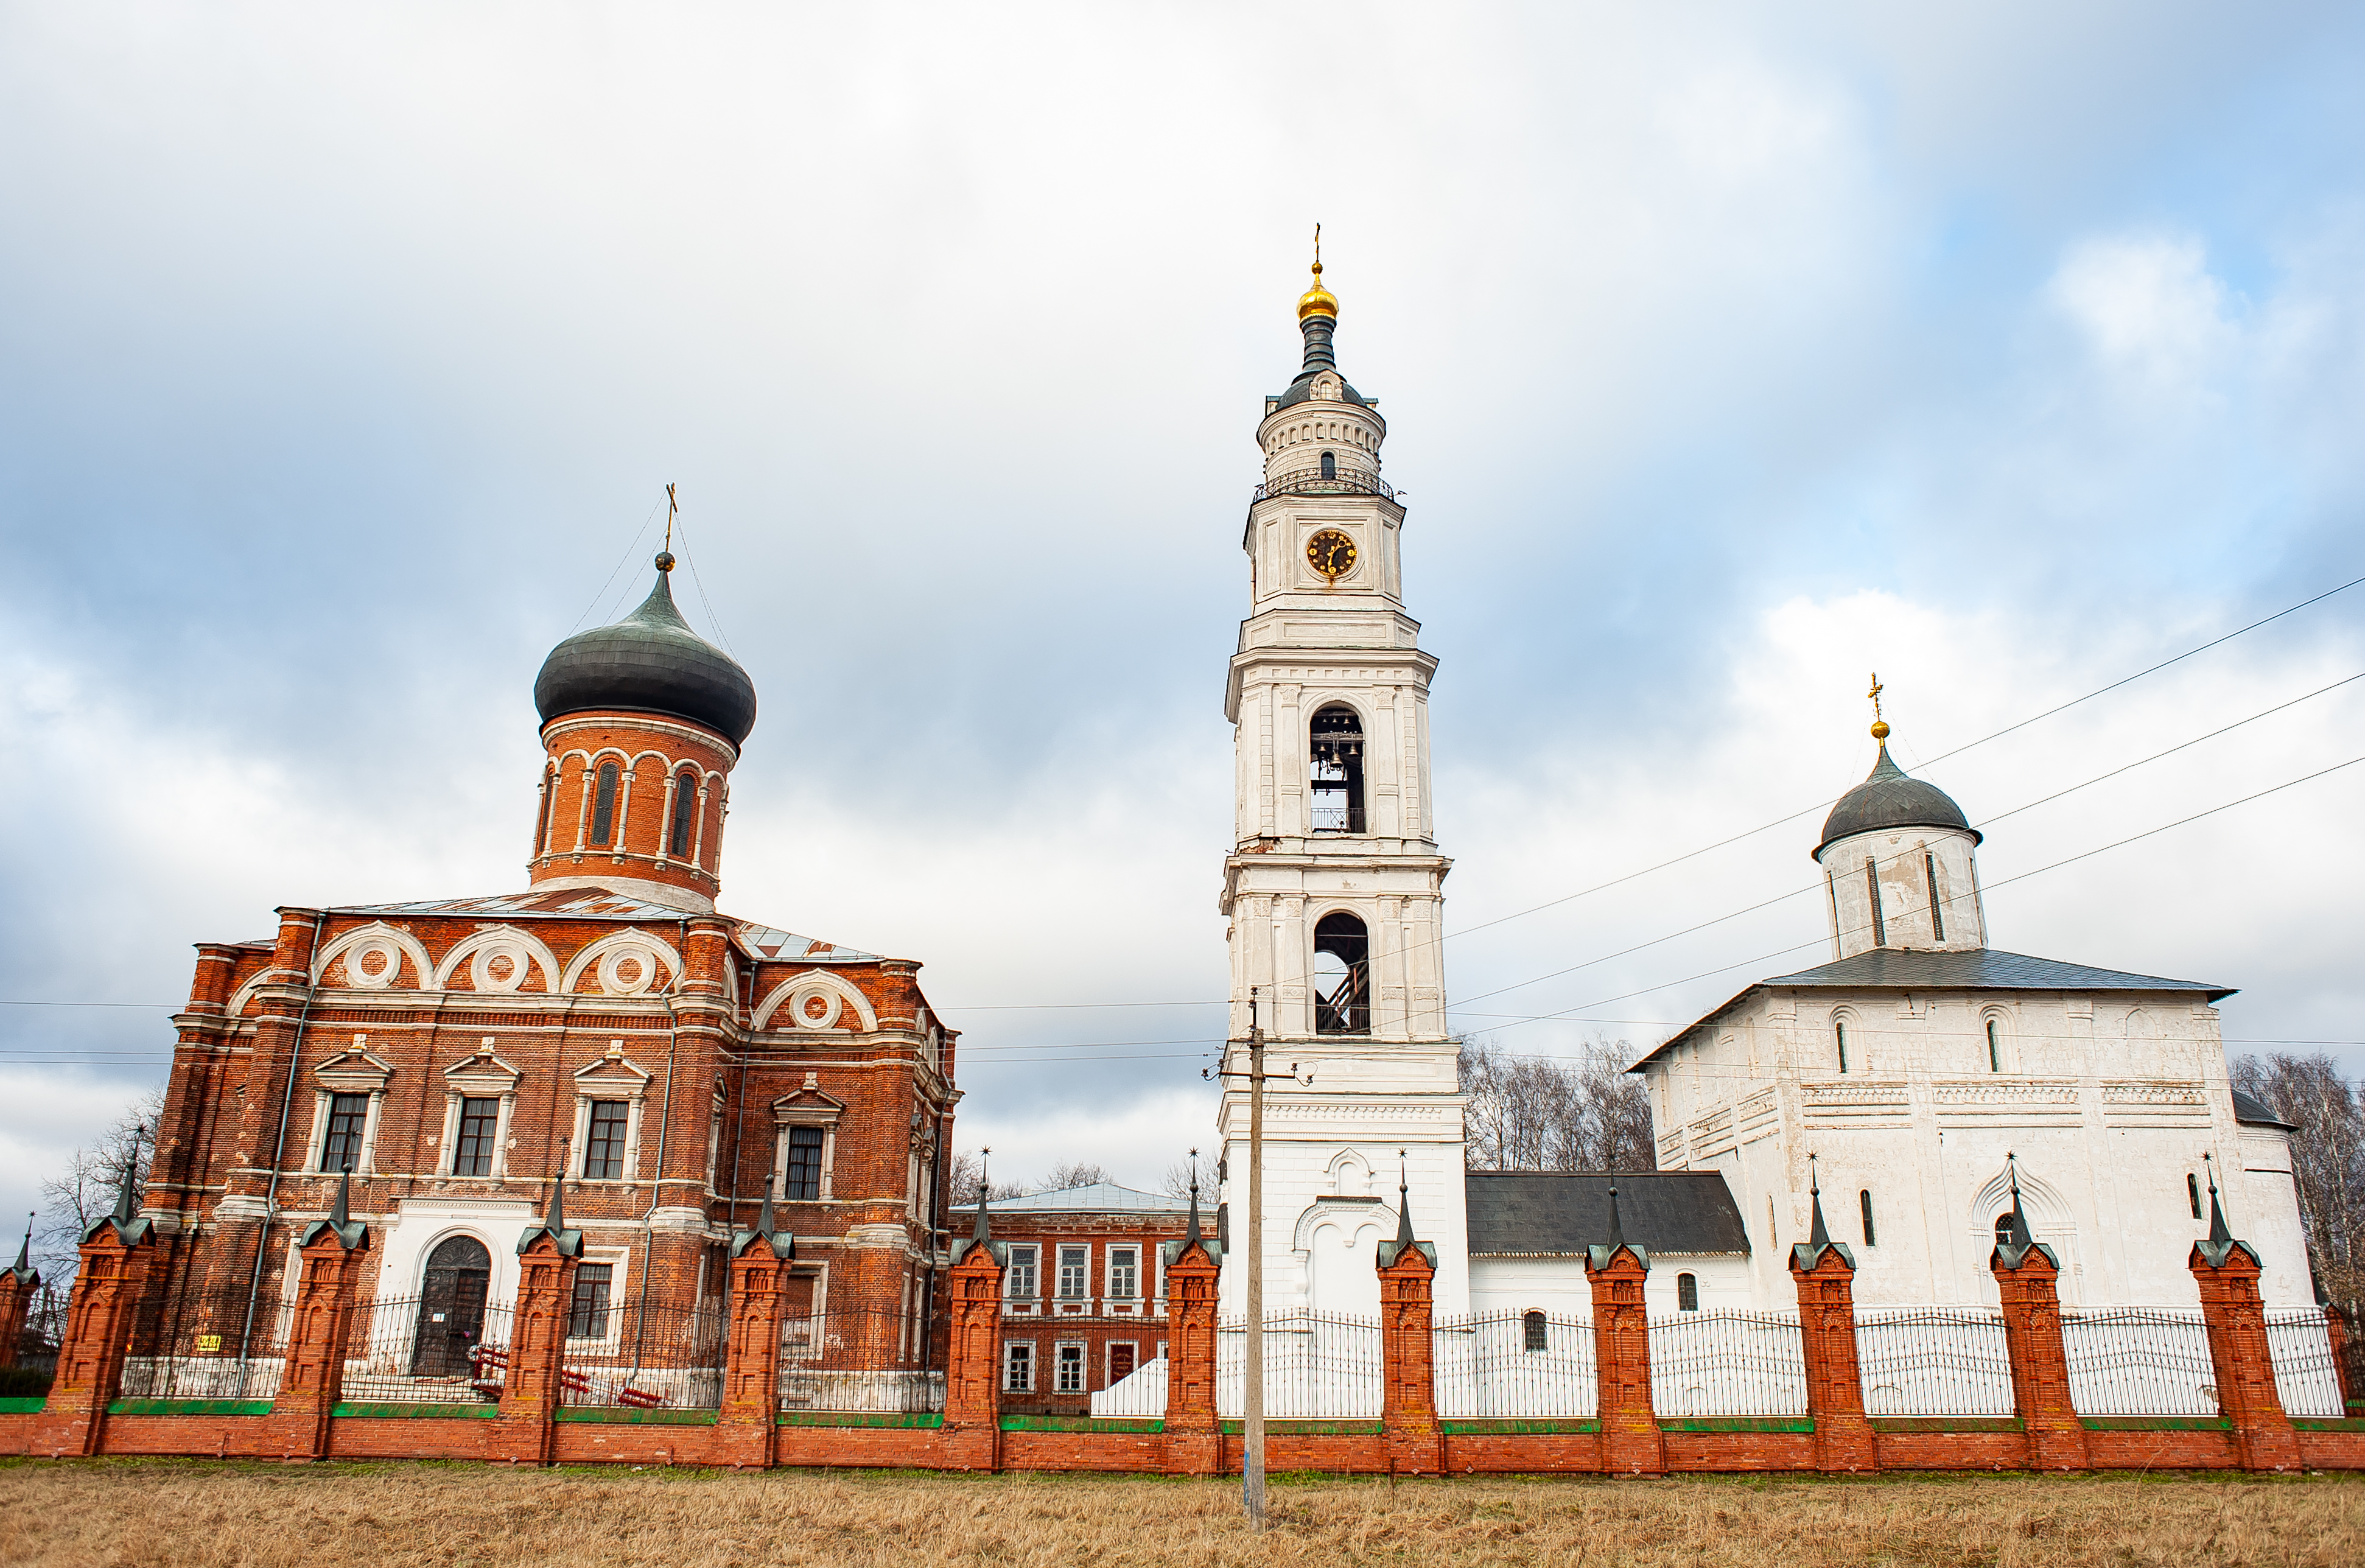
313, 1364
2027, 1279
747, 1431
2227, 1271
972, 1429
527, 1432
116, 1257
1824, 1272
1195, 1444
1409, 1382
1631, 1443
17, 1288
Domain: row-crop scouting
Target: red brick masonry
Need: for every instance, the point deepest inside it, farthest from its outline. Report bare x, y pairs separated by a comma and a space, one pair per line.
83, 1415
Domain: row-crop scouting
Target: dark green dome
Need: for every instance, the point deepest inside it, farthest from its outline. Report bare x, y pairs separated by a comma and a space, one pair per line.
650, 662
1890, 797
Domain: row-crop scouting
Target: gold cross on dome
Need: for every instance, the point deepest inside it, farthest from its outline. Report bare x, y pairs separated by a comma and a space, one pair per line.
1874, 693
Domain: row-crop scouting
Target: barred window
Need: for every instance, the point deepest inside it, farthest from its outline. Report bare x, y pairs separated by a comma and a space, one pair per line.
348, 1114
603, 1153
2193, 1190
1018, 1367
1123, 1273
1864, 1201
1538, 1336
1018, 1282
685, 812
1688, 1292
1072, 1369
1075, 1270
603, 804
590, 1318
479, 1119
803, 1184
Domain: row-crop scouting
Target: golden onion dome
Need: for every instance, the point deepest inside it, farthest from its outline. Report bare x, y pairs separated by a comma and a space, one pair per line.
1318, 300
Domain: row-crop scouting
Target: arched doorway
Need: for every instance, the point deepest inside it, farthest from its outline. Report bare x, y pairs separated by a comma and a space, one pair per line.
451, 1308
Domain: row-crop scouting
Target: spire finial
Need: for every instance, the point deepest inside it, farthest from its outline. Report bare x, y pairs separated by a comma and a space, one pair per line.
2019, 1232
1404, 1201
341, 1213
127, 1199
1820, 1236
983, 1229
764, 1223
1191, 1234
2219, 1237
673, 508
25, 1252
558, 1194
1880, 724
1616, 1230
1318, 300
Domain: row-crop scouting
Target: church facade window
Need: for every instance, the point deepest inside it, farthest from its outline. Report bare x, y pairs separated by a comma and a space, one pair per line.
1839, 1041
1688, 1292
542, 814
1018, 1277
2003, 1228
1995, 1047
1018, 1366
1330, 466
1334, 744
803, 1184
603, 804
2193, 1190
1536, 1336
1343, 998
588, 1316
1872, 894
603, 1153
478, 1120
685, 813
348, 1115
1937, 918
1863, 1203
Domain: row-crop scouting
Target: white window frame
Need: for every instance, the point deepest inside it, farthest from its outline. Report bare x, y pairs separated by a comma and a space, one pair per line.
612, 1077
352, 1072
1010, 1362
1013, 1270
1083, 1275
806, 1108
1109, 1254
1061, 1360
480, 1076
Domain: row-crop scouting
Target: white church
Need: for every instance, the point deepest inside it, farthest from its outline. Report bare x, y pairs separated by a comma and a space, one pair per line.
1910, 1066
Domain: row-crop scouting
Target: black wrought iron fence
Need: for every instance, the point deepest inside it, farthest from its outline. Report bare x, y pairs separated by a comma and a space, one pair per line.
862, 1359
408, 1350
2299, 1341
207, 1346
1728, 1364
1514, 1363
1933, 1361
2139, 1360
647, 1357
1318, 1366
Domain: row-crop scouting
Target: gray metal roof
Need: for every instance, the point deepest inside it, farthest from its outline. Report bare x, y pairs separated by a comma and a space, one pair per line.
1563, 1213
650, 662
1978, 969
1100, 1198
2251, 1111
1887, 798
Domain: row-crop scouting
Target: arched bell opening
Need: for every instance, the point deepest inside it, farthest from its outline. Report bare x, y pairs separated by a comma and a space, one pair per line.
1335, 744
1342, 975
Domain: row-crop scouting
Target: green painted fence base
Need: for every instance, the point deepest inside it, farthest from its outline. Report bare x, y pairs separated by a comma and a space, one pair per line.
1083, 1424
1735, 1424
1313, 1428
417, 1412
1947, 1423
918, 1419
190, 1407
1514, 1425
2155, 1423
634, 1415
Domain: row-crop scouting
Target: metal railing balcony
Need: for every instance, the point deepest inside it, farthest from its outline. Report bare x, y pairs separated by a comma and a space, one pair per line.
1310, 482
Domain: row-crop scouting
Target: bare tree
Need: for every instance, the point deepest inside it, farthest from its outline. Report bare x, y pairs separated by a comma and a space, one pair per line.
1539, 1113
2327, 1146
1073, 1173
84, 1192
968, 1179
1176, 1182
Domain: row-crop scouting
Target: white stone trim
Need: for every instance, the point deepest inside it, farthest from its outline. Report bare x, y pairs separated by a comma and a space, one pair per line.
607, 948
477, 949
376, 934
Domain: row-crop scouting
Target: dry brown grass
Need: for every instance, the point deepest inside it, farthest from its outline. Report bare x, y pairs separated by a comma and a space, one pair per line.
199, 1513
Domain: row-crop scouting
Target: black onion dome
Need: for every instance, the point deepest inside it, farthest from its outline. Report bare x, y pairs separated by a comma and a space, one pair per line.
650, 662
1887, 798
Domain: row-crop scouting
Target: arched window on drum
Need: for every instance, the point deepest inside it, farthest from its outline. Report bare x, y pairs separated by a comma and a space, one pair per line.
685, 813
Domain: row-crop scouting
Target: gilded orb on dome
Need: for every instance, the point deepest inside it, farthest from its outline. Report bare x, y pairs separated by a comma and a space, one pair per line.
1318, 300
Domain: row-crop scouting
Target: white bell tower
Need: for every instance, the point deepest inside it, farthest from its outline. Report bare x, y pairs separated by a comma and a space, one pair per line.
1334, 884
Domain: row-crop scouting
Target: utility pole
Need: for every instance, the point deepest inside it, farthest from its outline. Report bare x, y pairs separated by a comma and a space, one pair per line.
1252, 1401
1252, 1349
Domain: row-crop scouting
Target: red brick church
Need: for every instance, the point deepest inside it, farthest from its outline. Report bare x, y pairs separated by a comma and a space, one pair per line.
606, 1024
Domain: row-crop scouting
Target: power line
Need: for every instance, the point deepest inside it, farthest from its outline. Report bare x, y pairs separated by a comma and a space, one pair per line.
1804, 811
629, 551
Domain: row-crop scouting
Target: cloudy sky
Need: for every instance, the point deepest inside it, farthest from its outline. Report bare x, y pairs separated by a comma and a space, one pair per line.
1730, 353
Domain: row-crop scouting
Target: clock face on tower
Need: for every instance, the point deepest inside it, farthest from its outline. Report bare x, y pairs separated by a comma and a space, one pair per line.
1331, 553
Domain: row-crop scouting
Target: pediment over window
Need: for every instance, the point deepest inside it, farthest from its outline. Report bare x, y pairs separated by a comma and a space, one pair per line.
482, 1075
808, 1107
614, 1072
353, 1072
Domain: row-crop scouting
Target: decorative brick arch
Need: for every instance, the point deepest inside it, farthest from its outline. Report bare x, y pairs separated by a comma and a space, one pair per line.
528, 947
798, 989
599, 953
376, 934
